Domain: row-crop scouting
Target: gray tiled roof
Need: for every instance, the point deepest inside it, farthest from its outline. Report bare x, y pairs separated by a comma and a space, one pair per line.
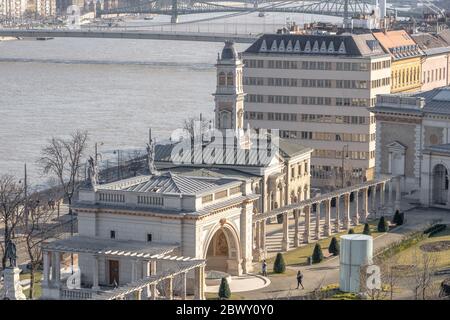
441, 148
355, 45
437, 101
172, 183
428, 41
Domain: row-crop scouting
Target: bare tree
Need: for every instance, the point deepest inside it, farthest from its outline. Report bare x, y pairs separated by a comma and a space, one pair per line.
11, 209
62, 159
136, 162
195, 128
390, 272
39, 229
424, 267
372, 283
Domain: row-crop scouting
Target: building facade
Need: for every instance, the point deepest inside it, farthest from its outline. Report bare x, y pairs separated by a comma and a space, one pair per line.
406, 70
409, 127
46, 8
435, 61
13, 9
316, 89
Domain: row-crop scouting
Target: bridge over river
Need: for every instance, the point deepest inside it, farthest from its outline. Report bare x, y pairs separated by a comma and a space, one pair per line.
147, 35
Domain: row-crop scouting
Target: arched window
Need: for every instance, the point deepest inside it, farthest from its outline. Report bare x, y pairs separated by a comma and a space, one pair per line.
225, 120
230, 79
222, 79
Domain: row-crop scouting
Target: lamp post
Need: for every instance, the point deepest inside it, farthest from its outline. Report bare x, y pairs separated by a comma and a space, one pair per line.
118, 163
344, 156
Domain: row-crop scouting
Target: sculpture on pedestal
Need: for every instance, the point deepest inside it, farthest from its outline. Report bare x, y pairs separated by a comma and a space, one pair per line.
11, 253
151, 157
92, 173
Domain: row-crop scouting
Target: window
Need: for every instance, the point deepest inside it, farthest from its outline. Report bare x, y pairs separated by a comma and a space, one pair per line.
230, 79
235, 190
220, 194
112, 234
149, 237
222, 80
207, 198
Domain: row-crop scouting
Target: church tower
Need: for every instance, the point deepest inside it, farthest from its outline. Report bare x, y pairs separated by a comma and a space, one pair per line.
229, 96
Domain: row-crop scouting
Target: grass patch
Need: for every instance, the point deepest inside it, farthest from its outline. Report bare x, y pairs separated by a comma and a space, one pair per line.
214, 296
406, 257
298, 256
37, 284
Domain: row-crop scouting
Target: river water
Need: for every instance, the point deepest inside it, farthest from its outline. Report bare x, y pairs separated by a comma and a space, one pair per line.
115, 89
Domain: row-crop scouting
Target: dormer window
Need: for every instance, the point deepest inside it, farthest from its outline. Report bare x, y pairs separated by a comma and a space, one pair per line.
274, 46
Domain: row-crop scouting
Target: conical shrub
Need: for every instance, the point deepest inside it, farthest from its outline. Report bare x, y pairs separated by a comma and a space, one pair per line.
224, 289
382, 225
279, 265
317, 255
367, 229
334, 247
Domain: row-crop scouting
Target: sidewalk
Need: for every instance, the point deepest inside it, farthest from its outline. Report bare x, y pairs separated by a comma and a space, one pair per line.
326, 273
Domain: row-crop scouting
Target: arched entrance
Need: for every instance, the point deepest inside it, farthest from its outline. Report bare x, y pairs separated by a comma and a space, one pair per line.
223, 253
440, 184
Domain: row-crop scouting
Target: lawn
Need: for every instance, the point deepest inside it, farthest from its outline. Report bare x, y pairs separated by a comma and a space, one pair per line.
37, 283
406, 257
298, 256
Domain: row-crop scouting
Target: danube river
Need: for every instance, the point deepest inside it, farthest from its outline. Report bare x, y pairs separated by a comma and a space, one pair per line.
115, 89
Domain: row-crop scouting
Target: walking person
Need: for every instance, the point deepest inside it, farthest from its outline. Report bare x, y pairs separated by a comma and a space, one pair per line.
300, 279
264, 268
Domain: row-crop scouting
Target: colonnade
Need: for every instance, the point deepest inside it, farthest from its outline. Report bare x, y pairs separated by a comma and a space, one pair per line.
342, 220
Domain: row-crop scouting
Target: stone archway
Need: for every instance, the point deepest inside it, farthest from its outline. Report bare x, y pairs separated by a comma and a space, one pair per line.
222, 252
440, 184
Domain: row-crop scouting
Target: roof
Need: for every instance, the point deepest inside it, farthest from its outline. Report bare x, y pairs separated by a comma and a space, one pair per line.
303, 44
436, 101
172, 183
444, 35
232, 156
101, 246
428, 41
440, 148
229, 51
290, 148
398, 43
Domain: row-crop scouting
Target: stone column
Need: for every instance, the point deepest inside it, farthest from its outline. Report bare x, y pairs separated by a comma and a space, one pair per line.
285, 242
183, 285
306, 237
262, 232
346, 220
397, 194
146, 273
374, 200
153, 291
139, 294
327, 227
296, 218
133, 270
257, 236
356, 216
46, 275
57, 268
95, 285
199, 283
317, 229
382, 192
391, 196
153, 267
365, 208
169, 288
337, 222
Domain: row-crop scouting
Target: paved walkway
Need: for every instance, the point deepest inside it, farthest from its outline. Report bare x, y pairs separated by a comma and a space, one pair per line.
325, 273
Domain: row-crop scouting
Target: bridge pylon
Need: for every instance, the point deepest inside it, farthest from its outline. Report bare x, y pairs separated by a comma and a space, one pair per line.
174, 16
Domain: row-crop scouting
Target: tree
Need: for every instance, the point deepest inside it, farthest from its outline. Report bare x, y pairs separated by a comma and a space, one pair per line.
317, 255
382, 225
424, 267
195, 128
367, 229
39, 229
62, 158
334, 247
351, 231
224, 289
12, 200
398, 218
279, 265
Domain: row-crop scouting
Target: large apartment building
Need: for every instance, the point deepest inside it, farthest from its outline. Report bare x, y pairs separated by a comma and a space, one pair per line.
316, 89
12, 9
